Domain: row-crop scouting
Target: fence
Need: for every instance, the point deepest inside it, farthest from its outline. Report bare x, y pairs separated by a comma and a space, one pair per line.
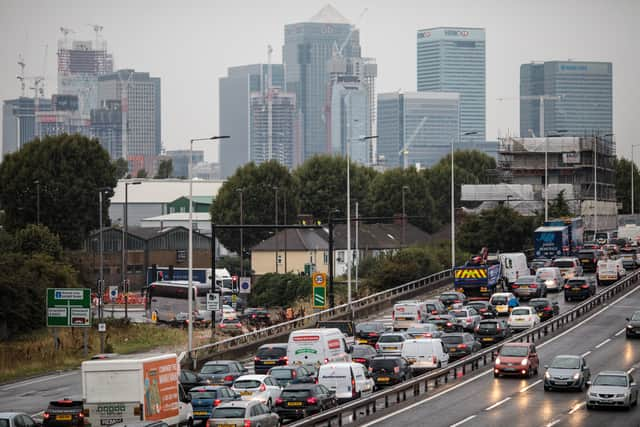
423, 384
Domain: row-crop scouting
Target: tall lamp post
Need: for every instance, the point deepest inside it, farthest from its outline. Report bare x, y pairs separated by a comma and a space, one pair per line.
404, 216
101, 191
453, 202
546, 164
213, 280
241, 191
125, 286
633, 179
275, 187
349, 256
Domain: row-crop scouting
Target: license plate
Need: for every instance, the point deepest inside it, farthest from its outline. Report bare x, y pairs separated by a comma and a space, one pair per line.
383, 379
453, 349
575, 289
225, 425
401, 318
362, 341
200, 413
246, 393
487, 339
560, 382
269, 362
391, 348
501, 308
294, 403
63, 417
509, 369
524, 287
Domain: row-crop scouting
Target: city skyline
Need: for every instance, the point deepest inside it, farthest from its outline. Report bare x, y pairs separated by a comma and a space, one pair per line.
200, 51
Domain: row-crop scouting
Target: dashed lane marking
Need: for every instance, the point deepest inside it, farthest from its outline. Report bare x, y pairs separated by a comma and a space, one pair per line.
619, 333
586, 353
530, 386
577, 407
469, 418
495, 405
603, 342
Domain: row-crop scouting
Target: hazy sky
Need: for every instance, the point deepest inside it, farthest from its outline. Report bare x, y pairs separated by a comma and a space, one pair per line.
190, 43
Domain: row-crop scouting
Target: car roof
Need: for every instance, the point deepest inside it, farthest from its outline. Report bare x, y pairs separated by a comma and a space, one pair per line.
299, 386
453, 334
568, 356
250, 377
207, 387
502, 294
274, 345
237, 403
523, 306
612, 373
547, 300
11, 414
387, 356
565, 258
220, 362
530, 277
516, 344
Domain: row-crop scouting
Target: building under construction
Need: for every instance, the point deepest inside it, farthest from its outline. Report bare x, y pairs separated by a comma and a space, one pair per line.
584, 167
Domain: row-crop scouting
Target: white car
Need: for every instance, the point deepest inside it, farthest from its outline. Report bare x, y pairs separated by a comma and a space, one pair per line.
263, 388
523, 318
228, 312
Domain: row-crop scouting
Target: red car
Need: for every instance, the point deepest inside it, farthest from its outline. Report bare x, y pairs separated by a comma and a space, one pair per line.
517, 358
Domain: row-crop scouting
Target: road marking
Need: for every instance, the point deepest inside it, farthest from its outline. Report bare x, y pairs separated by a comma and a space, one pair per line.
552, 423
619, 333
530, 386
469, 418
39, 380
630, 370
585, 354
578, 406
603, 342
495, 405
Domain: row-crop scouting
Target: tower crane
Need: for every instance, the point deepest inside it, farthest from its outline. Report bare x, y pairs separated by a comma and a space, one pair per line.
405, 149
98, 30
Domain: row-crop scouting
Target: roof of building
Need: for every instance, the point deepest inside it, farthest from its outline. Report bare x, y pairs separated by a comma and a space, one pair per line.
329, 15
145, 233
179, 216
296, 240
206, 200
163, 190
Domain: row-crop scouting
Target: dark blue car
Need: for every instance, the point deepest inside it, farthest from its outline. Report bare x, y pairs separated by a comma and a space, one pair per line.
205, 398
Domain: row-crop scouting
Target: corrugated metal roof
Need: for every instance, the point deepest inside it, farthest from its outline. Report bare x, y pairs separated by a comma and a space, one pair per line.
164, 190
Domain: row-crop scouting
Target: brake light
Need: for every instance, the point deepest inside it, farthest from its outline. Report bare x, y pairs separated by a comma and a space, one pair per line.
449, 324
427, 335
396, 369
419, 318
256, 359
533, 285
247, 423
514, 286
216, 402
434, 359
253, 316
547, 308
221, 325
497, 326
208, 424
46, 415
80, 415
566, 286
312, 401
370, 369
279, 401
262, 387
373, 334
393, 315
434, 311
456, 301
585, 286
285, 358
377, 346
353, 386
462, 346
482, 310
228, 378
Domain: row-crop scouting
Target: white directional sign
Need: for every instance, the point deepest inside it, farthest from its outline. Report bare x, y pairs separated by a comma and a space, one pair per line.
245, 285
213, 301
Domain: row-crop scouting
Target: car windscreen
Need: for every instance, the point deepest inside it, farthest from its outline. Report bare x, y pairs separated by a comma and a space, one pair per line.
281, 374
448, 297
576, 282
247, 384
4, 422
212, 394
431, 307
295, 394
425, 327
564, 264
386, 364
360, 350
538, 303
477, 305
611, 380
636, 316
271, 353
499, 300
545, 274
520, 312
453, 339
565, 363
488, 325
459, 313
367, 327
228, 413
513, 351
587, 253
391, 338
215, 369
526, 280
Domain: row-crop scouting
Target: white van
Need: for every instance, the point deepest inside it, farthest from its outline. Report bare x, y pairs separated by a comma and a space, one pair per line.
514, 266
405, 313
609, 271
348, 379
424, 354
315, 347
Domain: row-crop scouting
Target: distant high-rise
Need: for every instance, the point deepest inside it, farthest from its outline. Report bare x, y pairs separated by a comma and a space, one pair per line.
19, 121
308, 46
139, 95
80, 63
350, 120
106, 126
417, 128
234, 101
453, 60
64, 118
180, 161
586, 104
283, 143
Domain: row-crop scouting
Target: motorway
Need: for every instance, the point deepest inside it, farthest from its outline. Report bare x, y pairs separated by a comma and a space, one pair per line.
483, 400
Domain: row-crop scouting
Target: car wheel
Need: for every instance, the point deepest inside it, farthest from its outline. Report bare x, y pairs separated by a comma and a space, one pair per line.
270, 404
547, 388
567, 299
496, 375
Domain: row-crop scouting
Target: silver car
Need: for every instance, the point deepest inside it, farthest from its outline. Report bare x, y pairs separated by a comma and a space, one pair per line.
567, 372
612, 388
391, 342
17, 419
237, 413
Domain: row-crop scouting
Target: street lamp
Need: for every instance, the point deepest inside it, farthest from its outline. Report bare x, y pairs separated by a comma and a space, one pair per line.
275, 187
632, 178
213, 280
125, 287
453, 202
349, 258
101, 190
404, 217
546, 168
241, 191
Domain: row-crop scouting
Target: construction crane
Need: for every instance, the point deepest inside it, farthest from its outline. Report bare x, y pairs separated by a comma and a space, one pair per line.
351, 30
124, 109
405, 149
97, 29
21, 76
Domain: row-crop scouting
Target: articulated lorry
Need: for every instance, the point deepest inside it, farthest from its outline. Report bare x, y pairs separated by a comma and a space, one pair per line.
551, 241
575, 232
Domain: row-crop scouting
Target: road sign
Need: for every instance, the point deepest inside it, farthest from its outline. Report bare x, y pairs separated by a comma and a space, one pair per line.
319, 279
69, 307
319, 297
245, 285
113, 292
213, 301
102, 327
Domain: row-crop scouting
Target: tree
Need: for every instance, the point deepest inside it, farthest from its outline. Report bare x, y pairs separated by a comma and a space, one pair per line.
559, 206
165, 169
623, 185
142, 173
69, 169
38, 239
122, 168
257, 184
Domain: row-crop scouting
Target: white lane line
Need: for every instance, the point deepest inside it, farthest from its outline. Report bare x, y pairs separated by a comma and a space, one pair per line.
585, 354
619, 333
530, 386
420, 402
603, 342
552, 423
495, 405
575, 408
39, 380
630, 370
463, 421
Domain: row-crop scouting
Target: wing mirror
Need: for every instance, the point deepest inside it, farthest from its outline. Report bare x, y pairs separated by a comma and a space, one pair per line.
633, 384
588, 383
546, 366
245, 370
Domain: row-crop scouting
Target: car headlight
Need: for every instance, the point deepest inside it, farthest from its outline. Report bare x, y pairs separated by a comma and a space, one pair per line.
620, 395
593, 394
576, 375
629, 326
524, 362
547, 375
497, 360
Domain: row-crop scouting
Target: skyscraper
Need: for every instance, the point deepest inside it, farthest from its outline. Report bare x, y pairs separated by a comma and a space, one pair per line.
585, 106
308, 46
19, 121
64, 118
235, 96
139, 96
106, 126
417, 128
453, 60
350, 119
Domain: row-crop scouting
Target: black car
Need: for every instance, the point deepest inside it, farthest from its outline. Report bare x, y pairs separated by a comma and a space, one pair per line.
64, 413
257, 316
221, 372
580, 288
189, 379
301, 400
363, 354
369, 332
286, 375
589, 259
484, 308
268, 356
450, 298
460, 344
491, 331
633, 325
545, 308
539, 262
445, 323
389, 369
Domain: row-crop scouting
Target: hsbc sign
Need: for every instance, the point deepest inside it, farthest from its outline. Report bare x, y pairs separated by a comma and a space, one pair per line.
456, 33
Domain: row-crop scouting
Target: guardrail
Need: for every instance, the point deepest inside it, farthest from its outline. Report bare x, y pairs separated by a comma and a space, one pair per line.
360, 306
364, 407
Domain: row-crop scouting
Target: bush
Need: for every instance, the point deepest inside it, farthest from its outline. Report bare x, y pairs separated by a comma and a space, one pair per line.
279, 290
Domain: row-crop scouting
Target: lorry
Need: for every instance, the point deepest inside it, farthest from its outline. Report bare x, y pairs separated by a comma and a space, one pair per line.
478, 282
134, 389
202, 275
575, 231
551, 241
